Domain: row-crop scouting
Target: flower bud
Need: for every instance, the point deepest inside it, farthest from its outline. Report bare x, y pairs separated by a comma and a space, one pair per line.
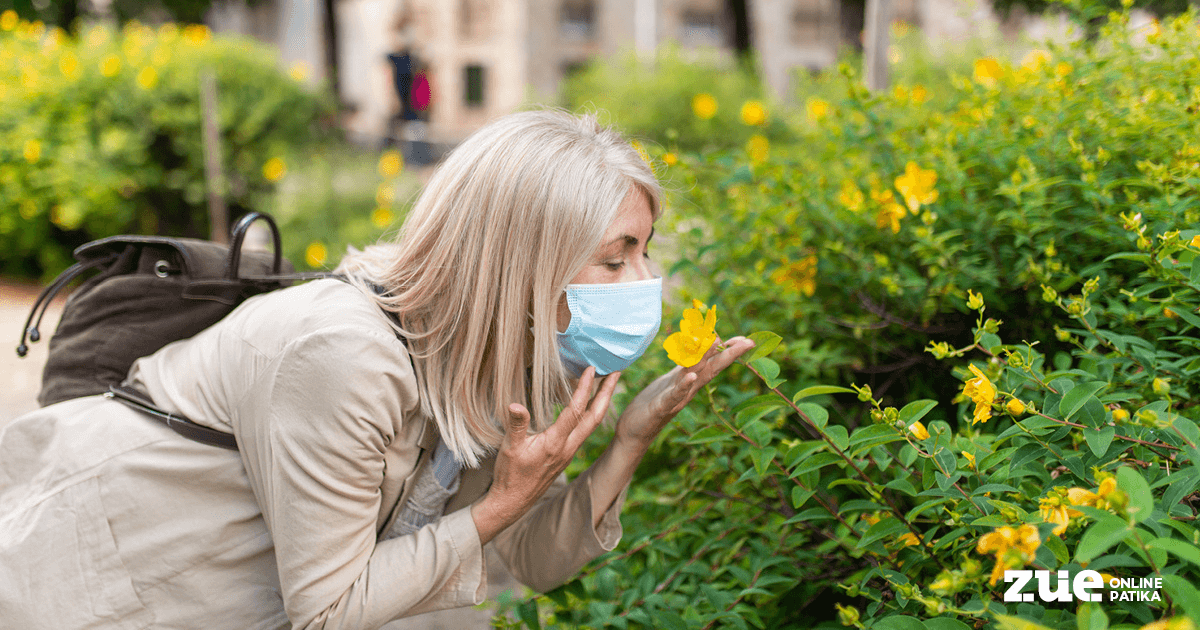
1075, 306
864, 393
848, 615
1061, 334
1049, 294
1147, 417
876, 416
991, 326
1161, 386
891, 414
1090, 286
974, 300
1120, 415
1016, 360
1015, 407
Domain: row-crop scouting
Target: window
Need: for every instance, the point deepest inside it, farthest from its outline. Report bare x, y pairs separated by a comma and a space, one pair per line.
473, 86
577, 20
474, 19
701, 28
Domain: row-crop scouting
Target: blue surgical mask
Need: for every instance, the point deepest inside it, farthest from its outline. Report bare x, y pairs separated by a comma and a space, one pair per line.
611, 324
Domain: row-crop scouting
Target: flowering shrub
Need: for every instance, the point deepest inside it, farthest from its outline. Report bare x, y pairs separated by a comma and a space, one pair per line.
982, 357
101, 134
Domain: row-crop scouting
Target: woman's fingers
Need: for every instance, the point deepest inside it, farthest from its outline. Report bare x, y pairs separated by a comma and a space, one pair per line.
595, 412
518, 423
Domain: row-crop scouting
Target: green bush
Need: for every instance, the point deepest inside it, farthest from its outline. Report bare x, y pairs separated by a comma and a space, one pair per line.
657, 101
102, 134
994, 368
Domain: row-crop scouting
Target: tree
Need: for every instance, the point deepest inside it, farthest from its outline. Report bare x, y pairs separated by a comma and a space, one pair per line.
63, 13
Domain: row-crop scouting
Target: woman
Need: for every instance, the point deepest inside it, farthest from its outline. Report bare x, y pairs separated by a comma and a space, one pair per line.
388, 428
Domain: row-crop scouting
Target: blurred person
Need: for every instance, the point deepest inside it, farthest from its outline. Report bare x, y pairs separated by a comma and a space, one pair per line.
389, 424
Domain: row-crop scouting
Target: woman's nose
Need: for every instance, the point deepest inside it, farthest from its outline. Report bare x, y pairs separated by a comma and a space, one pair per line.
640, 270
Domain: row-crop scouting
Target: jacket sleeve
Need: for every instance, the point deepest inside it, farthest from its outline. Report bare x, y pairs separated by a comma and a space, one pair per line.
552, 542
313, 431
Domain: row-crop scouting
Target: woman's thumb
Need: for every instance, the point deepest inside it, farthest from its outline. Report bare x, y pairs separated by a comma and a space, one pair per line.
518, 421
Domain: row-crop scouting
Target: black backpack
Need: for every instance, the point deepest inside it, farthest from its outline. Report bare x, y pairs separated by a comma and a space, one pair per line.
151, 290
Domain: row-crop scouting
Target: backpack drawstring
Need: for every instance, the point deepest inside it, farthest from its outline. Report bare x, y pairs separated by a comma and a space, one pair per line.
47, 296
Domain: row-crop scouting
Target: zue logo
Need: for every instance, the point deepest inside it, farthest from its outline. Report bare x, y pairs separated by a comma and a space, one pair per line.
1084, 580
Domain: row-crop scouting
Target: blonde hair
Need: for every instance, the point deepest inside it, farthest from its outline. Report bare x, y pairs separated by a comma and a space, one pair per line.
508, 219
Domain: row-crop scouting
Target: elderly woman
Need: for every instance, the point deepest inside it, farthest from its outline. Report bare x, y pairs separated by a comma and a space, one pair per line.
388, 427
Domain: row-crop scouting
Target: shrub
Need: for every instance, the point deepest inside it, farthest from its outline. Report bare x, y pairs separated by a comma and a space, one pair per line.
102, 134
994, 368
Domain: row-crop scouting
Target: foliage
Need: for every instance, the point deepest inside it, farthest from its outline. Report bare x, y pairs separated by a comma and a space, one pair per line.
658, 101
64, 12
1001, 283
102, 135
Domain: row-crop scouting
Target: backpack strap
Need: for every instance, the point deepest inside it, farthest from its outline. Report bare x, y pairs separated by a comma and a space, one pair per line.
138, 401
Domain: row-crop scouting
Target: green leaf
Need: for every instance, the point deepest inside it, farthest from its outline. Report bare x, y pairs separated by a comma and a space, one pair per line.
946, 460
816, 413
1099, 537
529, 614
1090, 616
800, 496
762, 459
945, 623
1141, 501
1099, 439
916, 410
889, 527
899, 622
1183, 593
1092, 414
817, 390
837, 433
1178, 548
769, 371
764, 342
1195, 276
1074, 399
1058, 548
1006, 622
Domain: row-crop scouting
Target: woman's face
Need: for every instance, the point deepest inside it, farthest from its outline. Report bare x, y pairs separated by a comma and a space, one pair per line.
622, 255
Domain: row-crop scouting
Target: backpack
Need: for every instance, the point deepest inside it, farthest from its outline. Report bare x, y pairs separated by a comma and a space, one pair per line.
151, 290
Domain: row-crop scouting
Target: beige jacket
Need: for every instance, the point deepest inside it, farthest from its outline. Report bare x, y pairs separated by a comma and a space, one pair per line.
108, 519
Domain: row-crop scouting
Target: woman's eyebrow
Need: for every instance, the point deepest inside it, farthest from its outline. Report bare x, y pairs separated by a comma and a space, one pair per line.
632, 241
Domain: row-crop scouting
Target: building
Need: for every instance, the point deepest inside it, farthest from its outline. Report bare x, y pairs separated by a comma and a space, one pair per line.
484, 58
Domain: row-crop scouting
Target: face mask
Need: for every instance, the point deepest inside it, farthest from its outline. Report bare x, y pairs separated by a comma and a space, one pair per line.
611, 324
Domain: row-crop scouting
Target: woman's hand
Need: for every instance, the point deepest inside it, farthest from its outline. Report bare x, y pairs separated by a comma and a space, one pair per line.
527, 464
656, 405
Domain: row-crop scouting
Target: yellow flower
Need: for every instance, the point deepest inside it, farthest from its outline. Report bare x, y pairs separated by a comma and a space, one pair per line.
168, 31
801, 276
382, 217
196, 34
274, 169
918, 430
759, 148
889, 216
974, 300
697, 333
753, 113
68, 64
704, 106
384, 195
1195, 242
1015, 407
918, 94
390, 163
298, 72
988, 71
1169, 314
981, 391
670, 159
110, 66
970, 458
916, 185
909, 540
851, 197
1062, 69
1120, 415
9, 20
1173, 623
900, 93
315, 254
147, 78
1023, 540
1054, 508
1107, 487
33, 151
818, 109
1035, 60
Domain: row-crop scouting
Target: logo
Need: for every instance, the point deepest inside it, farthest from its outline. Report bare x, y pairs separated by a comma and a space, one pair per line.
1086, 586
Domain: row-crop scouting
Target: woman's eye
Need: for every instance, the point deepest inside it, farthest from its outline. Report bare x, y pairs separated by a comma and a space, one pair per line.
614, 266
